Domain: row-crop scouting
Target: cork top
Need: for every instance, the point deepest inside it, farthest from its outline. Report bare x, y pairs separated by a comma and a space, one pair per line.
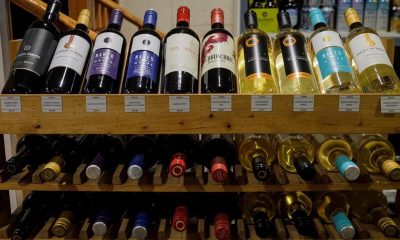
84, 17
351, 16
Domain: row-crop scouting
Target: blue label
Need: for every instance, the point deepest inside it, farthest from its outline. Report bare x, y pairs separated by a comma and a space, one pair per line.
333, 60
143, 63
104, 61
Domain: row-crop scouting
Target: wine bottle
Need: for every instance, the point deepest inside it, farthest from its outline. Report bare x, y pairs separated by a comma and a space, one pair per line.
256, 154
66, 69
32, 150
110, 151
107, 60
143, 67
145, 211
270, 4
258, 4
342, 5
255, 66
218, 63
181, 56
35, 53
373, 209
382, 18
334, 72
292, 60
295, 154
296, 207
370, 13
293, 9
373, 67
219, 155
333, 207
335, 153
180, 151
375, 154
259, 209
144, 152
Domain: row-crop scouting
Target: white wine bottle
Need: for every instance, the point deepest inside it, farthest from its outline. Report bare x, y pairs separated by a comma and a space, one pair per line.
368, 55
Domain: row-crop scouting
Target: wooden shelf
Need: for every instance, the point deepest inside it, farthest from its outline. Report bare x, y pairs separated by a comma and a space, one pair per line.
157, 119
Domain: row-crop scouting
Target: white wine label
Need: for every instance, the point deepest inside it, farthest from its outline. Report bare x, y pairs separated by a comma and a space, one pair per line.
390, 104
11, 104
135, 104
96, 104
303, 103
109, 40
367, 50
179, 103
221, 103
326, 39
349, 103
218, 51
182, 54
71, 52
261, 103
51, 104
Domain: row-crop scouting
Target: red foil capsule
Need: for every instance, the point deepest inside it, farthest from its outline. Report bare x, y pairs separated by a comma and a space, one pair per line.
222, 227
217, 16
219, 169
177, 166
183, 14
180, 218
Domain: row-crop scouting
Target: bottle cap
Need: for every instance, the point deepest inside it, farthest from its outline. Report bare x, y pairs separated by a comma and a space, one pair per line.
96, 166
180, 218
351, 16
140, 225
217, 16
150, 17
222, 227
84, 17
347, 168
116, 17
139, 232
219, 169
391, 169
177, 166
316, 16
99, 228
63, 224
304, 167
53, 10
260, 168
284, 19
263, 226
136, 165
52, 169
343, 225
303, 223
183, 14
388, 226
250, 19
12, 166
17, 234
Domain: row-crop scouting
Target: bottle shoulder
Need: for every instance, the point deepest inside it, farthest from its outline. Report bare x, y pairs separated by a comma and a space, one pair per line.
113, 31
289, 32
78, 32
252, 32
51, 27
359, 30
218, 30
146, 31
182, 30
323, 29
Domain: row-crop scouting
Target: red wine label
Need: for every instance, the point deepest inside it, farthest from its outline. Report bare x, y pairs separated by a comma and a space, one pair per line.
218, 51
36, 51
72, 52
182, 54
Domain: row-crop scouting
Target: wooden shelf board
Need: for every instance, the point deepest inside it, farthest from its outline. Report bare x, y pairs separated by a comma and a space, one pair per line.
157, 119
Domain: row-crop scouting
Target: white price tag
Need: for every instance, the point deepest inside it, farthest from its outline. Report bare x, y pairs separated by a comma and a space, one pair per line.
261, 103
221, 103
135, 104
11, 104
179, 104
303, 103
390, 104
96, 104
349, 103
51, 104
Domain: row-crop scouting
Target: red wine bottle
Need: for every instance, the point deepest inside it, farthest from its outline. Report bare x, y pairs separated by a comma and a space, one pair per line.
66, 70
32, 150
35, 53
143, 68
219, 154
181, 56
218, 64
107, 60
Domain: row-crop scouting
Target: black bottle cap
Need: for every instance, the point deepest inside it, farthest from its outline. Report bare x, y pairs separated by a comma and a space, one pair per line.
18, 234
284, 19
304, 168
303, 223
263, 226
250, 19
260, 168
53, 10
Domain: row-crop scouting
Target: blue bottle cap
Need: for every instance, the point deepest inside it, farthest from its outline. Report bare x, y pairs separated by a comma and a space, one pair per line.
136, 166
347, 168
140, 225
96, 166
150, 17
316, 16
116, 17
343, 225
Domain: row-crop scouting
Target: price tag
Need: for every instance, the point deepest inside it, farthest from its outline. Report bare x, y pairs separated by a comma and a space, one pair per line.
11, 104
303, 103
96, 104
51, 104
261, 103
135, 104
179, 104
349, 103
390, 104
221, 103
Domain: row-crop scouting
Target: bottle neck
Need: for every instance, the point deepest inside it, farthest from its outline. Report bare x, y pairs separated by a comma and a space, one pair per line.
82, 27
149, 26
182, 24
52, 11
217, 25
319, 25
114, 26
284, 27
355, 25
250, 27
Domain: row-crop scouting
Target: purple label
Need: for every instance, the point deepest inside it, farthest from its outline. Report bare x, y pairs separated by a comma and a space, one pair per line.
143, 64
104, 61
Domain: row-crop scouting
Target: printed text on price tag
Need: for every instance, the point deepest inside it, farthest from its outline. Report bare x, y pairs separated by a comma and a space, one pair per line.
179, 104
390, 104
96, 104
51, 104
349, 103
135, 104
303, 103
11, 104
261, 103
221, 103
